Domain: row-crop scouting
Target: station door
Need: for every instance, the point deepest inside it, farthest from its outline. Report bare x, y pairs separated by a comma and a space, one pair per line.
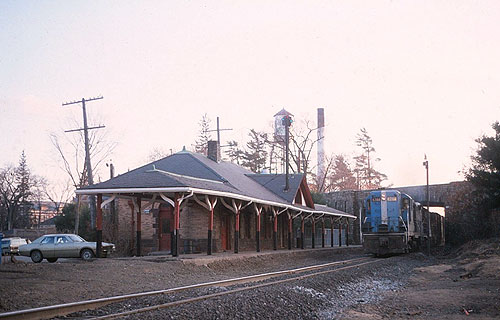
165, 228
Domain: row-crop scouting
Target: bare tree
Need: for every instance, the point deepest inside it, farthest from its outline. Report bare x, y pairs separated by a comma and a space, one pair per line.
58, 195
38, 196
302, 142
322, 182
301, 147
71, 151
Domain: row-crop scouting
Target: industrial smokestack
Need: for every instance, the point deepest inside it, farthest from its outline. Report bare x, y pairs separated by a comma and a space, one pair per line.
321, 145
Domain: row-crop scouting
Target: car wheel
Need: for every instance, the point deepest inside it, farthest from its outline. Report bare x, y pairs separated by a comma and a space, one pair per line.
86, 254
51, 260
36, 256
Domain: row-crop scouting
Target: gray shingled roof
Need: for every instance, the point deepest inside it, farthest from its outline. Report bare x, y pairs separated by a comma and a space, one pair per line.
187, 169
276, 184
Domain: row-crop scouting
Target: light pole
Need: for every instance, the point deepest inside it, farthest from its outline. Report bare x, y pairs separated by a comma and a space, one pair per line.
426, 165
287, 122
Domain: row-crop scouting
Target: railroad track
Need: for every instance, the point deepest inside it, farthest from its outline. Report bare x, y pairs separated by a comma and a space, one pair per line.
80, 306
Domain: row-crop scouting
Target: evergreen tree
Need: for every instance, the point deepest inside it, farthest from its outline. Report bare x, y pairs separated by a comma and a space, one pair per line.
366, 175
16, 185
65, 222
234, 153
485, 171
201, 144
484, 175
255, 155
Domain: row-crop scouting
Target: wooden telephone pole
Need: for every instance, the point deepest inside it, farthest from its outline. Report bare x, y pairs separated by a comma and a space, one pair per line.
88, 166
218, 131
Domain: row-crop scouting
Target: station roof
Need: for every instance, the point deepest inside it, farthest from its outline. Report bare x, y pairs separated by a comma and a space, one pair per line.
192, 172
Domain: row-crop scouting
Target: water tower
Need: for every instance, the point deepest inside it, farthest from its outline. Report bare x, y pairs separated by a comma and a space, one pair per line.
279, 126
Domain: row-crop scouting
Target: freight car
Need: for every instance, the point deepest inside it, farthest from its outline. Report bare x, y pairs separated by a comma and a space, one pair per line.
395, 223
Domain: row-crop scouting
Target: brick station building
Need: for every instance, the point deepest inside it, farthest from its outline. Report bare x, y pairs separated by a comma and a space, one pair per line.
191, 203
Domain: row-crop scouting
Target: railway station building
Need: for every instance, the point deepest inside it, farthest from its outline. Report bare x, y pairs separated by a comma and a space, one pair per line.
191, 203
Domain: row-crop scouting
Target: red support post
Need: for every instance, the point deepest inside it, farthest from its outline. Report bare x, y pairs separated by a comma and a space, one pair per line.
99, 226
258, 231
210, 230
132, 225
237, 231
302, 233
340, 233
275, 232
290, 229
331, 234
139, 226
322, 232
347, 232
313, 232
175, 244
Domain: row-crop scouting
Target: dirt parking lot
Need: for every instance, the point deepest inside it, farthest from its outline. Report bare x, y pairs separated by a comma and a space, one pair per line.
463, 283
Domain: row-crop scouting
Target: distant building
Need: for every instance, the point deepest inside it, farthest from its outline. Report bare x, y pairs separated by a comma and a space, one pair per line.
42, 211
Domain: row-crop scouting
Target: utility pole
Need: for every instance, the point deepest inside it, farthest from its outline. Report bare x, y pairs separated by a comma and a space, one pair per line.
112, 208
426, 165
218, 131
86, 128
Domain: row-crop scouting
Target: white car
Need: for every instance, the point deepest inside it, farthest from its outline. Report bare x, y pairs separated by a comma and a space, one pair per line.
11, 245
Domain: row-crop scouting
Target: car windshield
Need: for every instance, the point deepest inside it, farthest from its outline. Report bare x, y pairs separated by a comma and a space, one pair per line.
76, 238
38, 240
5, 241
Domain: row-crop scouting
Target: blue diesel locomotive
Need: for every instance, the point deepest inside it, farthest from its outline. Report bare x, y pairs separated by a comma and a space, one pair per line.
393, 223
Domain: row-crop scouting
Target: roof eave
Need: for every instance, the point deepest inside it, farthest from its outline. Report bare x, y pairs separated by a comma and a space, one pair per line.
207, 192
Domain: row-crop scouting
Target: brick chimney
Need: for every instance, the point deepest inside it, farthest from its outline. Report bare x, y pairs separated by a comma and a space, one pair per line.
213, 152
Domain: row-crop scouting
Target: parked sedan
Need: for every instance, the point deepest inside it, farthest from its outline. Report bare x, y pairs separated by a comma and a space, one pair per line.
54, 246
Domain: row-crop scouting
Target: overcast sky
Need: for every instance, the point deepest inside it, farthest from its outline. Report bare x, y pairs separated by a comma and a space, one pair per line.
420, 76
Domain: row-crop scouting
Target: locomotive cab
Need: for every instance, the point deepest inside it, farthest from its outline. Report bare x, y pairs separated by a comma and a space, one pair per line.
386, 225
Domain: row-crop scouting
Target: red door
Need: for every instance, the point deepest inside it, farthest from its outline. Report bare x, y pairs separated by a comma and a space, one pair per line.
165, 228
224, 233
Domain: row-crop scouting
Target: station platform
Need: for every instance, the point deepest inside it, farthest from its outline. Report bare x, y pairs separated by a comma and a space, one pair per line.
203, 258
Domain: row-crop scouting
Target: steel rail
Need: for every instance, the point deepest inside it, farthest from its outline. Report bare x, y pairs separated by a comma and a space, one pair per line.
218, 294
72, 307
